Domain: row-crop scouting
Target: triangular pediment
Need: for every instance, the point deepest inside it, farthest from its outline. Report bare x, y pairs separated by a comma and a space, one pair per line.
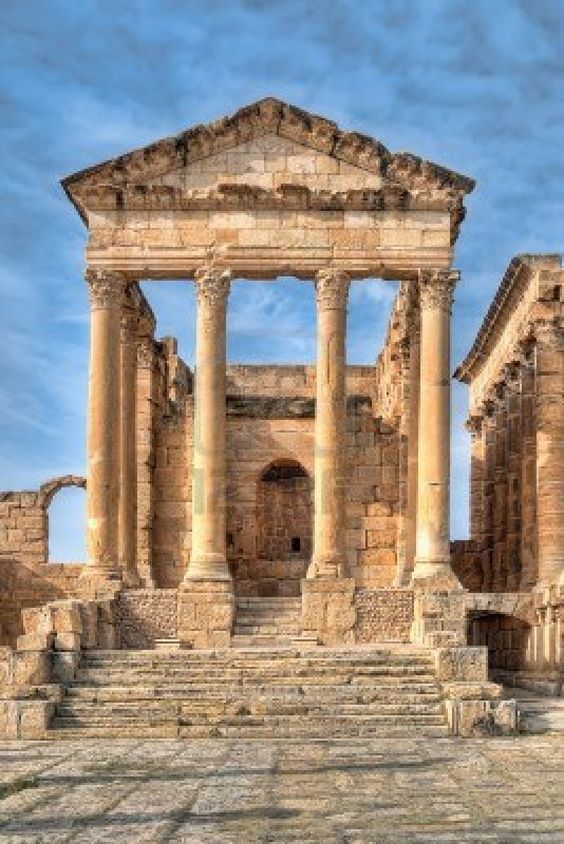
270, 146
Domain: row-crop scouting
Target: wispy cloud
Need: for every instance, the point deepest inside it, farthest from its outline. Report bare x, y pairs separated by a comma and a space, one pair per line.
475, 86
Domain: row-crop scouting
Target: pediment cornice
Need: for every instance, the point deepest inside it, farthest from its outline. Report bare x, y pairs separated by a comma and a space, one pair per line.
410, 178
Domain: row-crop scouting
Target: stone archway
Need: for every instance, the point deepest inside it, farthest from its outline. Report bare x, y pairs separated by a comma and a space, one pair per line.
284, 527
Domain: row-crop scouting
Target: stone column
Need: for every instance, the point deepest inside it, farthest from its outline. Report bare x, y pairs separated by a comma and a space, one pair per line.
106, 292
328, 610
433, 483
528, 470
206, 605
127, 517
208, 559
549, 359
329, 541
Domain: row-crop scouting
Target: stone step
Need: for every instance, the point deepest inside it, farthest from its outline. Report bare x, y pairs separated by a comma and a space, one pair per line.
330, 703
279, 731
217, 692
289, 656
297, 720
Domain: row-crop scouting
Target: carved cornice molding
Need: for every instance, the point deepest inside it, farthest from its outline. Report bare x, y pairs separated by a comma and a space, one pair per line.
106, 288
331, 288
411, 178
236, 197
520, 273
212, 286
274, 116
436, 288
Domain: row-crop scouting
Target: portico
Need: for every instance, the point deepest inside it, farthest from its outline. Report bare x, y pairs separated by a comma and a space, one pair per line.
268, 192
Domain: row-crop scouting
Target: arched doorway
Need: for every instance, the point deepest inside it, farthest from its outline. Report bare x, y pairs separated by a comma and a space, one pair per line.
283, 528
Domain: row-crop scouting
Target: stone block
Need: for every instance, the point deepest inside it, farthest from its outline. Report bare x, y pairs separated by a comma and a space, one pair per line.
67, 641
64, 665
482, 717
463, 664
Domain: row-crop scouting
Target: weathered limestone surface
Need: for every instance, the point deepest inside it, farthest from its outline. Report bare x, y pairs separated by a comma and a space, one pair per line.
486, 789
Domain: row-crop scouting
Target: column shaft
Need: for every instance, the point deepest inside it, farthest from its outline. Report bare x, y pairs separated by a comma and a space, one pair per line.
433, 483
208, 556
329, 541
106, 290
127, 520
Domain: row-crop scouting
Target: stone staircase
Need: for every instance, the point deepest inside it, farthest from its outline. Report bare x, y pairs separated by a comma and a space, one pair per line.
253, 693
268, 622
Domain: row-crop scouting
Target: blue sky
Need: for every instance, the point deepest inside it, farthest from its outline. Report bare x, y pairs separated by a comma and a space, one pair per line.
472, 84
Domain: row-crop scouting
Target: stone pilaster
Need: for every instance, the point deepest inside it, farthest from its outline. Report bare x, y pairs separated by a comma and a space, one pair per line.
433, 483
106, 292
127, 516
407, 521
500, 491
208, 556
488, 485
329, 543
528, 469
513, 451
549, 359
145, 446
474, 425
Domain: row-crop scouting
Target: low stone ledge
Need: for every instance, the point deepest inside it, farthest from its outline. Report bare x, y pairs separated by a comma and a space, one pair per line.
463, 664
472, 717
25, 719
328, 611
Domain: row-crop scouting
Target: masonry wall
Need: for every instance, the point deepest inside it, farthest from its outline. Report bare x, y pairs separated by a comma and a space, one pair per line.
27, 578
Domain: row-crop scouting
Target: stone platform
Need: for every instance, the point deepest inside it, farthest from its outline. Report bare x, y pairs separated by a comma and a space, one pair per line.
357, 791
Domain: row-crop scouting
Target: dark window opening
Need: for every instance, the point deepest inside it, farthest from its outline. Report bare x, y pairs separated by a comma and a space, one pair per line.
296, 544
229, 540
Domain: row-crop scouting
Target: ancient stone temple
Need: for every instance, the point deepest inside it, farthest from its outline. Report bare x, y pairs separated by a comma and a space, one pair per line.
262, 518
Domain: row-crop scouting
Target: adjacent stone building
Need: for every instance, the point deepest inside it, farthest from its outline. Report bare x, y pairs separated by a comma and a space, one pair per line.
326, 484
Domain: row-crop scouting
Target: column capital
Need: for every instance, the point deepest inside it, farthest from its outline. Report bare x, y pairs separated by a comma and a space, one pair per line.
105, 287
549, 332
212, 285
436, 288
474, 423
331, 288
129, 323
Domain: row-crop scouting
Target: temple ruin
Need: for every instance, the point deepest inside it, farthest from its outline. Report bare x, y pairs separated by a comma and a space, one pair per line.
247, 509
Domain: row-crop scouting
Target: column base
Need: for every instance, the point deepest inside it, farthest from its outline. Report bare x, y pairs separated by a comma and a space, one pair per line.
436, 575
211, 567
327, 569
98, 581
328, 610
206, 613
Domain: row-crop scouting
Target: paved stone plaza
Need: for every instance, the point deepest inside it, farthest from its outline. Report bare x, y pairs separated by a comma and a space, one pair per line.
505, 790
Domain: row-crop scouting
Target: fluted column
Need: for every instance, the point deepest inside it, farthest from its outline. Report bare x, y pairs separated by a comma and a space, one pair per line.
127, 517
208, 557
106, 292
329, 540
549, 359
433, 482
